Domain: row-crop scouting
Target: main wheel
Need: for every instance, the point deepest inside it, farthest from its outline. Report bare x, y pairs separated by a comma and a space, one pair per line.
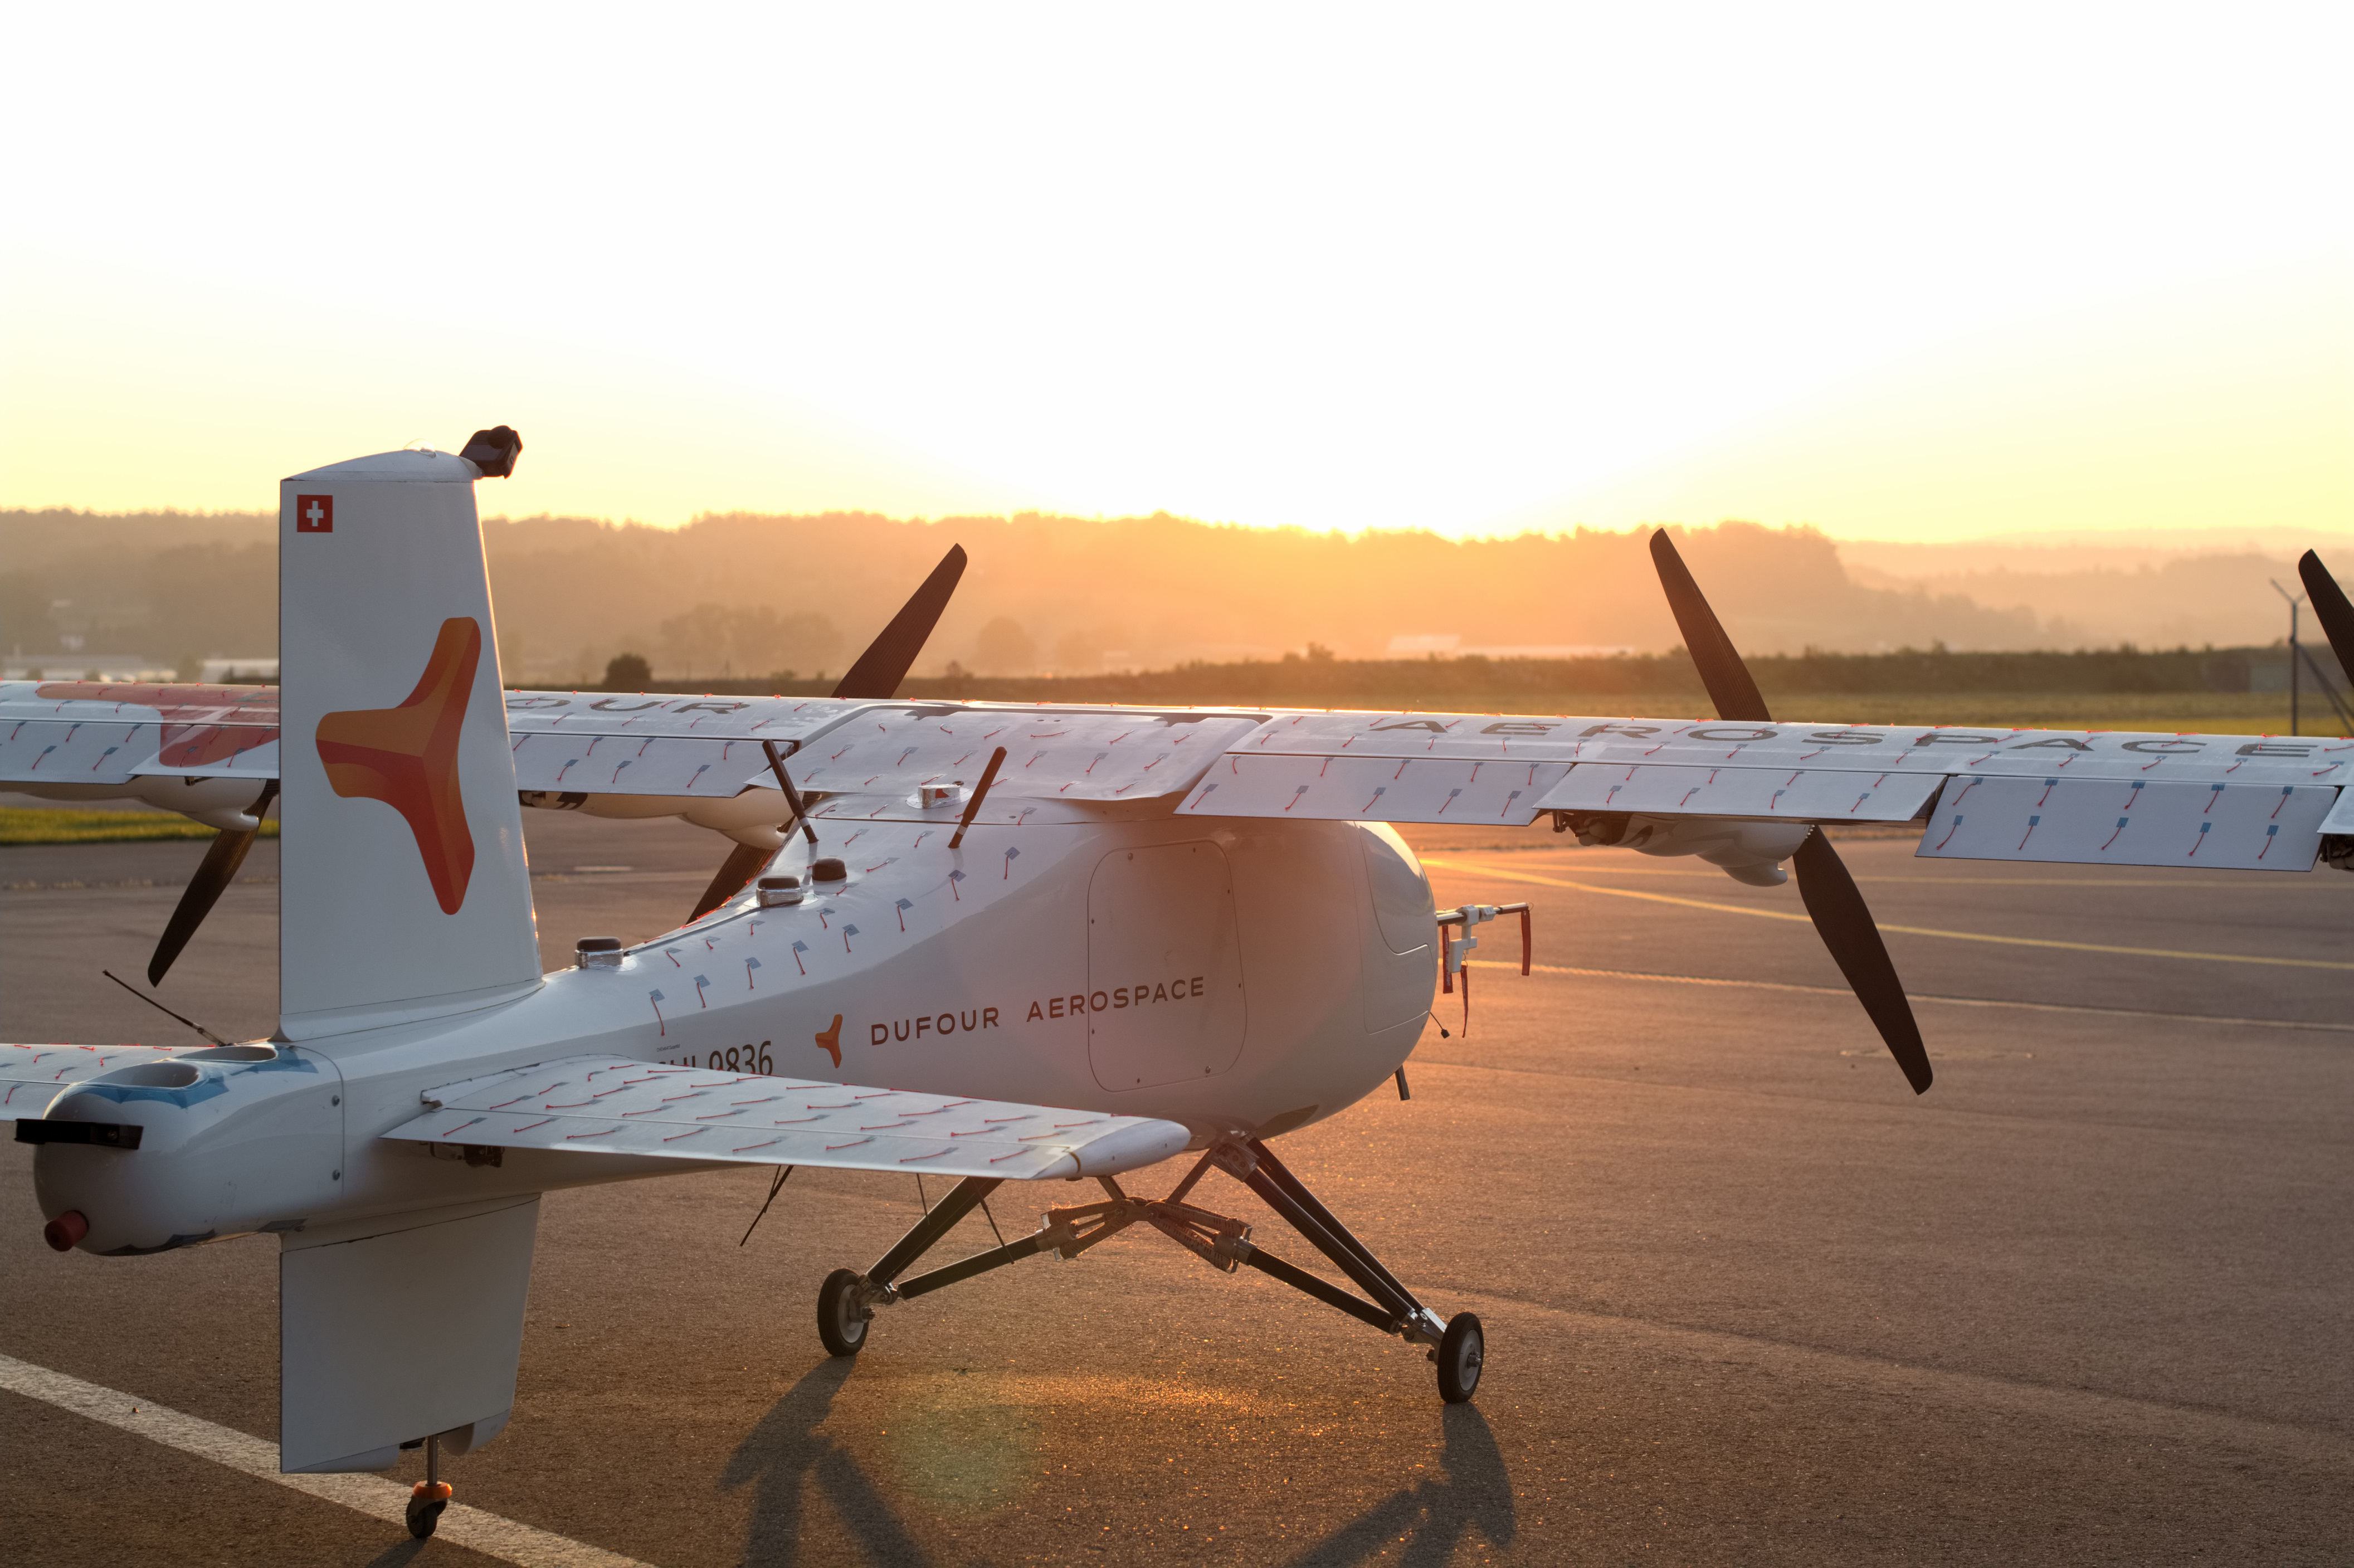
842, 1316
1459, 1355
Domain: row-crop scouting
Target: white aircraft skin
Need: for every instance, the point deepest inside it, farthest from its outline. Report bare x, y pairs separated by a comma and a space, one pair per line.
1002, 960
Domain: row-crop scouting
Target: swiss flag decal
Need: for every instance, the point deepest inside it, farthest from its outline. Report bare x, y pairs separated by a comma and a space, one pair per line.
314, 515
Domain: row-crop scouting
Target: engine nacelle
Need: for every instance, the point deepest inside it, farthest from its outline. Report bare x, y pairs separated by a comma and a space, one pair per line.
1746, 851
213, 800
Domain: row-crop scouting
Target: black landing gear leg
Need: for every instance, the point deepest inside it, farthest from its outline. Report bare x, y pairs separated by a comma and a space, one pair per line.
847, 1302
430, 1496
1457, 1346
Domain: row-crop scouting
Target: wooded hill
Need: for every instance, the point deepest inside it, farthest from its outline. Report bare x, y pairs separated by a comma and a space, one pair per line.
739, 597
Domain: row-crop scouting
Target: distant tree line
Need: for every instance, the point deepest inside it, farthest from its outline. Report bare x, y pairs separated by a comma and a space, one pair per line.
1328, 681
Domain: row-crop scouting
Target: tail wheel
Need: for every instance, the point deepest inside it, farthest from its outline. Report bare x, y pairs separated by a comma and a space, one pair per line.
426, 1501
1460, 1356
842, 1313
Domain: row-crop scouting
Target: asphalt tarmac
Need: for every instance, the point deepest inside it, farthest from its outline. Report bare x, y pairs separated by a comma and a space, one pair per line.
1747, 1299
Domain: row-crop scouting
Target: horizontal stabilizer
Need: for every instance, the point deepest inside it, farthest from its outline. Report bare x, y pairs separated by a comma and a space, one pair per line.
613, 1105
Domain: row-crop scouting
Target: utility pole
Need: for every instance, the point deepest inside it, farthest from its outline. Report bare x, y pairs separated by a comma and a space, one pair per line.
2293, 603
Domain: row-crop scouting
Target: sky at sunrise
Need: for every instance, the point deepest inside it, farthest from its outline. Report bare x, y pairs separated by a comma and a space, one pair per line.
1897, 272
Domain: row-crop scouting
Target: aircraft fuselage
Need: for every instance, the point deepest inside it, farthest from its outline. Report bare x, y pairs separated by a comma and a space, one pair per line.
1236, 976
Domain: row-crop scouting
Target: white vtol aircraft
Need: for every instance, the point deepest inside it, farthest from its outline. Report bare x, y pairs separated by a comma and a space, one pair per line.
1078, 941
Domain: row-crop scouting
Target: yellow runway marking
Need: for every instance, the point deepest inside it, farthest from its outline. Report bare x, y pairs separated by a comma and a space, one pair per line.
1502, 874
2275, 880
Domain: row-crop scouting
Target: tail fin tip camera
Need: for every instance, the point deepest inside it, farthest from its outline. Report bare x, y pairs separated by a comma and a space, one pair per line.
494, 451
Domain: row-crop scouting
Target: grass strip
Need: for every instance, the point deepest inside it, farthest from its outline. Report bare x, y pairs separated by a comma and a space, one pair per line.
44, 825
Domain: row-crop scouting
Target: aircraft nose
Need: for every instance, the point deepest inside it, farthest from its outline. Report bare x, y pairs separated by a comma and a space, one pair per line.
65, 1232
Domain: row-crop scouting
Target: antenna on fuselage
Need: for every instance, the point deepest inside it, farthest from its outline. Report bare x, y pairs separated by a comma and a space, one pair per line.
981, 793
161, 1008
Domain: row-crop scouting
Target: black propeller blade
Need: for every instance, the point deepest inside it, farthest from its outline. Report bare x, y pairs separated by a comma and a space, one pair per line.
1840, 915
1729, 684
877, 674
889, 657
1848, 931
204, 889
2330, 607
742, 864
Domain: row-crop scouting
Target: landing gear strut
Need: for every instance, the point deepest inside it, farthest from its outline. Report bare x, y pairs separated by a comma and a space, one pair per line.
430, 1496
846, 1303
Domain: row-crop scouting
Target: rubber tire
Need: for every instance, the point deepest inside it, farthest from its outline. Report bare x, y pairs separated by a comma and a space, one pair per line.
841, 1320
1461, 1354
424, 1515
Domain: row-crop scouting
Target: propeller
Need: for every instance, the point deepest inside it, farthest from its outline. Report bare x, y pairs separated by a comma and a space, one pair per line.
742, 864
2330, 607
889, 657
1841, 918
203, 890
876, 673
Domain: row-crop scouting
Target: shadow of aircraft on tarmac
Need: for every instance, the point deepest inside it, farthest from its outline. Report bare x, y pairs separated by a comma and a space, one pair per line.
1431, 1517
786, 1449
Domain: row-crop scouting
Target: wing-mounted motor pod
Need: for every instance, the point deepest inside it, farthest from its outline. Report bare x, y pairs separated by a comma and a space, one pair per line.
209, 753
1746, 852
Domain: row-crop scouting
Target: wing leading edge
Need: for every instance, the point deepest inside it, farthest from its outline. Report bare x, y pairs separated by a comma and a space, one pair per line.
615, 1104
2261, 802
2251, 802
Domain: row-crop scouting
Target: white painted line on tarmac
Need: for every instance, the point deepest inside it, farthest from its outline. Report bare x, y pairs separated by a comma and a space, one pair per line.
372, 1495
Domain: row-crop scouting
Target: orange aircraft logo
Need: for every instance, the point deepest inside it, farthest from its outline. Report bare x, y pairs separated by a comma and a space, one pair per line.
408, 757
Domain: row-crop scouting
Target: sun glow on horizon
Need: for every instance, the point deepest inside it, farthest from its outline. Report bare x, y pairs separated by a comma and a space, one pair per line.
1892, 276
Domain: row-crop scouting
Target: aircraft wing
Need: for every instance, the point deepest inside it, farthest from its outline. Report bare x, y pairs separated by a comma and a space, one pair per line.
592, 743
92, 732
31, 1076
614, 1105
597, 743
711, 745
2260, 802
2116, 797
1051, 752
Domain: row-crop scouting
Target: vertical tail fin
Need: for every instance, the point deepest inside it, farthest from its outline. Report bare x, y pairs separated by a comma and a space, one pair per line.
403, 890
